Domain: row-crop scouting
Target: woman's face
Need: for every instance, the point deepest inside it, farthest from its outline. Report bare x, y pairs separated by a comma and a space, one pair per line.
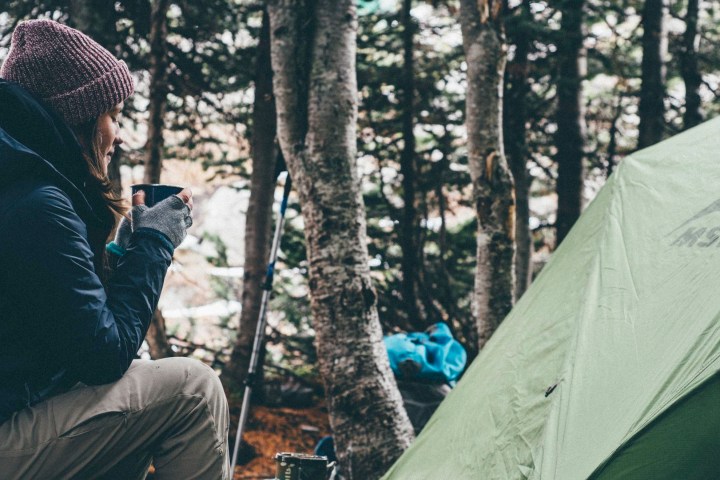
108, 129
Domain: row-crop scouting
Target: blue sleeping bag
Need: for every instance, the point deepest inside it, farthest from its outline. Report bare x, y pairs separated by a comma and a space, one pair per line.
433, 356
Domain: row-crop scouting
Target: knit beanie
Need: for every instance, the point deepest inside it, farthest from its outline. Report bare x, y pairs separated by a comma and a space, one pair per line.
66, 69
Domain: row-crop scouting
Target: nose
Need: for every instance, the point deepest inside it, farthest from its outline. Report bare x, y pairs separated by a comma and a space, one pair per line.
118, 139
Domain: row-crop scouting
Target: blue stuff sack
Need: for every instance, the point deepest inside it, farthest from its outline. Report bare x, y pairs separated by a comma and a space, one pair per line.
433, 356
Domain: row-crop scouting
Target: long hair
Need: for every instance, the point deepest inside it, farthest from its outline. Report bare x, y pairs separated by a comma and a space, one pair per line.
98, 190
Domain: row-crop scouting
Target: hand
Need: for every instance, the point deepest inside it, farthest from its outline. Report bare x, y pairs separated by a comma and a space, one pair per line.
124, 230
185, 195
171, 217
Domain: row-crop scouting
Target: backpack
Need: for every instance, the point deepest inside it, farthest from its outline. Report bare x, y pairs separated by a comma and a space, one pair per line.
433, 356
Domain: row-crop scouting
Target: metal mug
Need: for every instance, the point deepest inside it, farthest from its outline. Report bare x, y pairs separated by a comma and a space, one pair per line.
155, 192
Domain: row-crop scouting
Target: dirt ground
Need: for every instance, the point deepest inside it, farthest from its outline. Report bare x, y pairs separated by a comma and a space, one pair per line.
273, 430
270, 431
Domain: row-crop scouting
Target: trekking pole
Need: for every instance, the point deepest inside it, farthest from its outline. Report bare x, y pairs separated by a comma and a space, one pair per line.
260, 330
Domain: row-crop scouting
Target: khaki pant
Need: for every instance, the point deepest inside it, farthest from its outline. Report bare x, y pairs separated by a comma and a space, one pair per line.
172, 412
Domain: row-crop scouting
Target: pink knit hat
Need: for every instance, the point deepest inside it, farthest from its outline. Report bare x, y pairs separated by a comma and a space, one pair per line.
71, 72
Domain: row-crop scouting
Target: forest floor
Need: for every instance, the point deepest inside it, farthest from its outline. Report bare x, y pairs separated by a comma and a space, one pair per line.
273, 430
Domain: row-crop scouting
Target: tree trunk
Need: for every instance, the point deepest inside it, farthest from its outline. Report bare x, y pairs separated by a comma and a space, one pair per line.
313, 58
446, 290
689, 67
570, 123
409, 225
652, 92
156, 338
483, 42
517, 89
258, 221
613, 144
97, 19
158, 90
155, 143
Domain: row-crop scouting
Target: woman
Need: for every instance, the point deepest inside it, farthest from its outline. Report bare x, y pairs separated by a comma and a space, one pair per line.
74, 402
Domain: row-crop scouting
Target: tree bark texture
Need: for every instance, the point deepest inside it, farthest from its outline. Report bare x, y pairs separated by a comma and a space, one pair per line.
155, 142
652, 92
158, 90
258, 221
689, 67
493, 195
517, 89
409, 227
317, 133
570, 119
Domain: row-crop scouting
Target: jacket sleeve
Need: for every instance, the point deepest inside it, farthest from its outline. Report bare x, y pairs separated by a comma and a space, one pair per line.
101, 331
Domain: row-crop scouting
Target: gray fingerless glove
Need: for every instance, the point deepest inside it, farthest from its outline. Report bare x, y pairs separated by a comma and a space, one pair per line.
122, 235
171, 217
122, 238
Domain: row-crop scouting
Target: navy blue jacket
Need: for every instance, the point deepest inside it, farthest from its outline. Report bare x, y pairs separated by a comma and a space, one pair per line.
58, 323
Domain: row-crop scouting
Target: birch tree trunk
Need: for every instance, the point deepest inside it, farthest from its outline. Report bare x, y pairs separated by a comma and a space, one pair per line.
570, 119
483, 42
156, 336
689, 67
517, 89
652, 92
313, 58
258, 221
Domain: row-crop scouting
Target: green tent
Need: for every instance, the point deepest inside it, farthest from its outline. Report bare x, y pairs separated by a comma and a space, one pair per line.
607, 368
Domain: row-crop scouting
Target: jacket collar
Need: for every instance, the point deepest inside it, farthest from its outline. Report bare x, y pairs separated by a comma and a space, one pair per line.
36, 142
